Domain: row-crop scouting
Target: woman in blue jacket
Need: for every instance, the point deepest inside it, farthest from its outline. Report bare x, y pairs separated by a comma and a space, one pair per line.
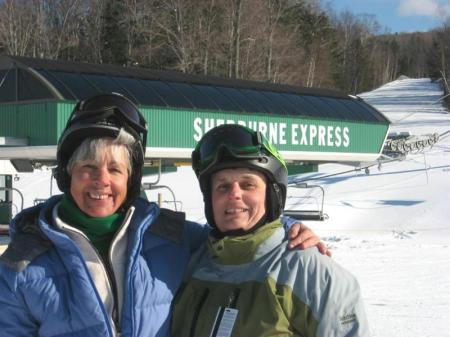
97, 260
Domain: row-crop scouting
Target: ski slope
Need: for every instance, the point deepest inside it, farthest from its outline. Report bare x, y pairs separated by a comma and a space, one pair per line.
390, 227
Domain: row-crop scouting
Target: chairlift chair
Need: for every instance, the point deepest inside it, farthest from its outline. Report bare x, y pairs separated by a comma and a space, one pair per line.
154, 185
308, 215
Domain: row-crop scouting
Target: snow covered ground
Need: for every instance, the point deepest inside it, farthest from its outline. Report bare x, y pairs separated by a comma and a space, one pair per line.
399, 220
390, 228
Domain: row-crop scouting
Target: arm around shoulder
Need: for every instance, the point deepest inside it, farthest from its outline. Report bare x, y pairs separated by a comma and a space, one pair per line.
197, 234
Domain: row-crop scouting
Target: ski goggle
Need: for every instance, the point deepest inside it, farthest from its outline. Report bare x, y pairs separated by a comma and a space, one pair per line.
240, 141
110, 108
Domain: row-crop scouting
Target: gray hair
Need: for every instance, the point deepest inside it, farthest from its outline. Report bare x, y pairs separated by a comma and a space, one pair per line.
94, 148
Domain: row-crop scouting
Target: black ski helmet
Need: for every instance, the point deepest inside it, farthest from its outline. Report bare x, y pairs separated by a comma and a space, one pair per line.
236, 146
103, 115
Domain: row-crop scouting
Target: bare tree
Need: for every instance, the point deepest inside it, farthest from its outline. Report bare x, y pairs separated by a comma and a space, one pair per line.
91, 32
174, 24
234, 37
442, 37
352, 54
209, 24
141, 31
284, 41
17, 26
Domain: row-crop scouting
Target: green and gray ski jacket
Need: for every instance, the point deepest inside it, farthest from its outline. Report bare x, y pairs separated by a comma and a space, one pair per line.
274, 291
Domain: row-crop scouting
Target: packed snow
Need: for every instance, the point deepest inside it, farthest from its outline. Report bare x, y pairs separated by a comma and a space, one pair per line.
389, 227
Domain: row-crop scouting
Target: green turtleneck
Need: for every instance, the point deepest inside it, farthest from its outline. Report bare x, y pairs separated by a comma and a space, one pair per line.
100, 231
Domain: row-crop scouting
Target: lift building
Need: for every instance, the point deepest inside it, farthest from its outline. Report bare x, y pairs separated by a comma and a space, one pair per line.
308, 126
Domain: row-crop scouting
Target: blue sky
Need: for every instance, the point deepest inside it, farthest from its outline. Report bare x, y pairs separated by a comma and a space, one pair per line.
399, 15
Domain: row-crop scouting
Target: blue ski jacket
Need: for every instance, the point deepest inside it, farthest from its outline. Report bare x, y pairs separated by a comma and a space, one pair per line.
49, 275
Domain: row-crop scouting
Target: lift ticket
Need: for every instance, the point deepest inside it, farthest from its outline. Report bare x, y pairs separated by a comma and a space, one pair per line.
224, 322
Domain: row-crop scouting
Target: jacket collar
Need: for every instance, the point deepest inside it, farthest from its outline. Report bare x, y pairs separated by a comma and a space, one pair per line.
28, 239
235, 250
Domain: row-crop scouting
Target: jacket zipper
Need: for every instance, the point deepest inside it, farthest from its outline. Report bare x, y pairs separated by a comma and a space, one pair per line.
112, 285
110, 269
221, 313
232, 300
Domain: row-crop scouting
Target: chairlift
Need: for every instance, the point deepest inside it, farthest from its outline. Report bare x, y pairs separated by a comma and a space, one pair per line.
154, 186
308, 215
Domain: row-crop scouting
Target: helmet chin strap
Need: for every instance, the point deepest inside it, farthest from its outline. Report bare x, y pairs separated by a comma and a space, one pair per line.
274, 202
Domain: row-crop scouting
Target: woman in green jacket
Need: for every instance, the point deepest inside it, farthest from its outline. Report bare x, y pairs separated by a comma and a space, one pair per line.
245, 282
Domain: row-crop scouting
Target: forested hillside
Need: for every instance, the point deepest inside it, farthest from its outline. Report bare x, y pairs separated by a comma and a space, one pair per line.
298, 42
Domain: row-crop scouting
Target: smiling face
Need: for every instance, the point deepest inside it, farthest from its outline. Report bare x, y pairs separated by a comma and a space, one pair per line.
99, 187
238, 198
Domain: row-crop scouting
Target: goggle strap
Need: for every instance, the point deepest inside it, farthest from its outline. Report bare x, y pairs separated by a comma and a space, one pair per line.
94, 115
97, 115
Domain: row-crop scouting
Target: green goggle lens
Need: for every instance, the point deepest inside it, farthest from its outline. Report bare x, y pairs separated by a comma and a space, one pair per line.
240, 141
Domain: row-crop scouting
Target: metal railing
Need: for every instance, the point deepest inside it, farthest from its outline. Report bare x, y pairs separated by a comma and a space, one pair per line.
15, 190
